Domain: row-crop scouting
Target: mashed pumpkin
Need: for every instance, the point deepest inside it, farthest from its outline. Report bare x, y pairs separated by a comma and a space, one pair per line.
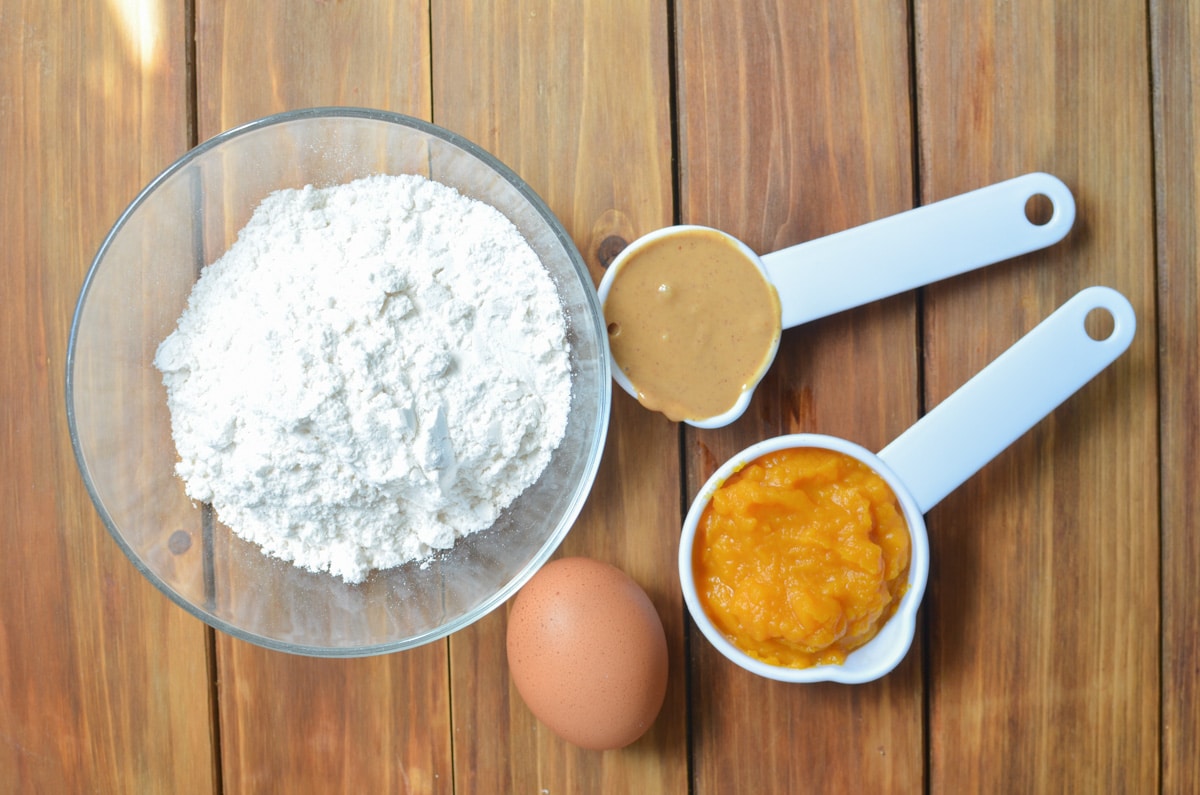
801, 556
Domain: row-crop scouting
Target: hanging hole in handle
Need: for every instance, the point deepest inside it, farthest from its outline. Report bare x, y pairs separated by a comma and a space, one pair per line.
1039, 209
1100, 324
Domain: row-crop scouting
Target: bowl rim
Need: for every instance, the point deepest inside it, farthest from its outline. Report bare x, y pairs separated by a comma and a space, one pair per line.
591, 467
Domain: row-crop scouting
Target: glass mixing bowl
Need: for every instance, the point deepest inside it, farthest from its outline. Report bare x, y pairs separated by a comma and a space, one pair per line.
120, 426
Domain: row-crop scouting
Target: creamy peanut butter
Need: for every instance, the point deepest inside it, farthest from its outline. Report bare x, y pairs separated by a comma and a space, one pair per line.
692, 323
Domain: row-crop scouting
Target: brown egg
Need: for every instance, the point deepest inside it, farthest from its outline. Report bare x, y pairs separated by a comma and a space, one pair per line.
587, 652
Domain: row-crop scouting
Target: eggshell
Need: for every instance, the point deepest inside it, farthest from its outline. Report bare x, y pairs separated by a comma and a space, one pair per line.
587, 653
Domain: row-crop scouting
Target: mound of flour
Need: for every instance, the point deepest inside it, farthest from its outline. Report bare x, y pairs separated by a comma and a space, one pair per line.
372, 371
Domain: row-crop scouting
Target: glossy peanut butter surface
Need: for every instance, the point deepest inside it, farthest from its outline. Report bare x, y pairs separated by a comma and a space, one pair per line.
692, 322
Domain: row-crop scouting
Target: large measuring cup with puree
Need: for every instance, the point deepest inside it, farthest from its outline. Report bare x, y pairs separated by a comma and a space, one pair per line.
695, 316
923, 465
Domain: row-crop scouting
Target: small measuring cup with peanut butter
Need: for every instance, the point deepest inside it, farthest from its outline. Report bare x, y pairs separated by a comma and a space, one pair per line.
805, 557
695, 316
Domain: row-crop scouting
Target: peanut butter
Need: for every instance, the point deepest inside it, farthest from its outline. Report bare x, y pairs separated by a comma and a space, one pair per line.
692, 322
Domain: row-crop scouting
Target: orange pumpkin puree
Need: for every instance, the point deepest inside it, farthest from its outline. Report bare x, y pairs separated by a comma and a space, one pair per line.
801, 556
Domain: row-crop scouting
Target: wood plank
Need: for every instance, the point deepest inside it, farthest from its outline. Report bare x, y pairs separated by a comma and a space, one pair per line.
104, 683
795, 123
287, 723
1043, 612
573, 98
303, 724
1175, 65
253, 62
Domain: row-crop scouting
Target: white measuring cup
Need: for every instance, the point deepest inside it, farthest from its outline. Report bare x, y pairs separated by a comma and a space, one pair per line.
885, 257
931, 459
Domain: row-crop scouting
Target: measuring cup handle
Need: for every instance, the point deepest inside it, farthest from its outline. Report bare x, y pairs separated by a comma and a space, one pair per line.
1008, 397
917, 247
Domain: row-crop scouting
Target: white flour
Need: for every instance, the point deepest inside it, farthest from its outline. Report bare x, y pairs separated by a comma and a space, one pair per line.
372, 371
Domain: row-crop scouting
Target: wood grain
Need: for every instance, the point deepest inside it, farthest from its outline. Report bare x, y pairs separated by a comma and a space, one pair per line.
803, 133
1043, 608
1059, 647
572, 96
294, 724
254, 59
103, 682
1175, 69
303, 724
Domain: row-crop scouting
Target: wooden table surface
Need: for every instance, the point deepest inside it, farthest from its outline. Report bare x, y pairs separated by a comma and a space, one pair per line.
1058, 643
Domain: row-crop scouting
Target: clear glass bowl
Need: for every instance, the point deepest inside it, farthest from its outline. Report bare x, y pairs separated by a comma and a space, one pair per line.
120, 426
